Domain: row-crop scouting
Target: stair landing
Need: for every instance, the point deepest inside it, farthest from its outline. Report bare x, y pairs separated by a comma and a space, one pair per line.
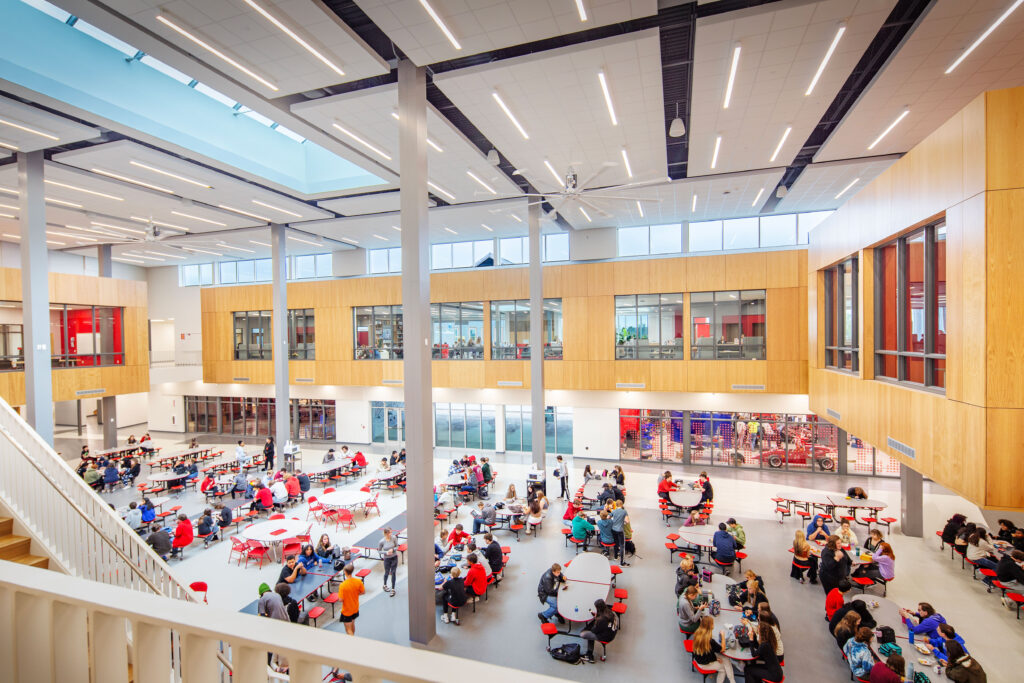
16, 548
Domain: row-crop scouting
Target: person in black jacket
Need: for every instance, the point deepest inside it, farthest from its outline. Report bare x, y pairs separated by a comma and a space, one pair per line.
492, 551
686, 575
602, 627
765, 664
268, 454
834, 564
547, 592
224, 515
454, 595
953, 526
159, 540
290, 606
1009, 571
857, 606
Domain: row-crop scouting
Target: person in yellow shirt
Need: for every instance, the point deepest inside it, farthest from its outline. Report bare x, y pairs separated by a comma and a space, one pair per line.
348, 593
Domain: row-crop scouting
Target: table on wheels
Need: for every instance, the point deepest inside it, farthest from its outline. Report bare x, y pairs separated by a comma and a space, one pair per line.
700, 538
274, 531
344, 499
685, 497
592, 488
718, 586
327, 467
588, 578
168, 478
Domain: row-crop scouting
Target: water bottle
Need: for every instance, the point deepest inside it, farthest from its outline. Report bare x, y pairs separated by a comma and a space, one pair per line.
910, 667
910, 635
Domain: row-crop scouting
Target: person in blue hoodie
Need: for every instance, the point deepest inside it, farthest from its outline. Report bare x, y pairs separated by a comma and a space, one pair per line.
725, 545
923, 624
817, 530
148, 512
947, 635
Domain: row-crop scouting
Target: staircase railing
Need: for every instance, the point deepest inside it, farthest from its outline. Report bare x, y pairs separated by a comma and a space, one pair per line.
82, 533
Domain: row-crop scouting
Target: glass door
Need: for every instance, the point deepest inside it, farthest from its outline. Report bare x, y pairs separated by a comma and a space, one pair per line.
395, 426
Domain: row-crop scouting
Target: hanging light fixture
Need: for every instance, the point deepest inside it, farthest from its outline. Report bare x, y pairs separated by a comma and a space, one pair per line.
677, 128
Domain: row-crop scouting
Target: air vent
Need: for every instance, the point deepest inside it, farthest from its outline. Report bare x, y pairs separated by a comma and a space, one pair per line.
901, 448
748, 387
509, 383
239, 379
89, 392
391, 381
630, 385
307, 380
834, 414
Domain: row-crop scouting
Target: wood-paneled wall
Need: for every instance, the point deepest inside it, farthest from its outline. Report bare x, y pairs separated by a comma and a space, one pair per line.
588, 305
969, 172
130, 378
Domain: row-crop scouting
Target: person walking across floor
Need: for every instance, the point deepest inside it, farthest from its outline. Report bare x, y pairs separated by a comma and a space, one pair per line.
620, 518
562, 472
388, 548
348, 592
268, 454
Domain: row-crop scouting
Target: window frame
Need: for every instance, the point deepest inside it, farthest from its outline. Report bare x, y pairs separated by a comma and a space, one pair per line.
265, 350
835, 318
456, 351
392, 347
662, 350
760, 350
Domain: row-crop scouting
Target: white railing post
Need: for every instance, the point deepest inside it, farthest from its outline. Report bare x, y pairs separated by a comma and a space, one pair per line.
199, 662
71, 633
34, 647
151, 653
248, 663
305, 671
109, 648
7, 631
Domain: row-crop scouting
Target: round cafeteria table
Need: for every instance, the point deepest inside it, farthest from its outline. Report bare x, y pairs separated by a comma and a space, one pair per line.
167, 477
264, 531
685, 497
455, 480
719, 587
588, 578
344, 499
592, 488
694, 536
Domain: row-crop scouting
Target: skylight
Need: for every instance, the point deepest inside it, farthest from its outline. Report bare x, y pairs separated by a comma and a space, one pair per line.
216, 95
46, 8
154, 63
105, 38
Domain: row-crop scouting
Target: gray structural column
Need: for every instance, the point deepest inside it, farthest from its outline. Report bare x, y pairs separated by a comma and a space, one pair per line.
911, 502
536, 338
108, 404
412, 146
35, 295
279, 334
841, 451
687, 454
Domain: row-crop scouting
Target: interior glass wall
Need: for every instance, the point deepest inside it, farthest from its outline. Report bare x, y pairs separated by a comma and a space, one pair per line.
253, 334
80, 336
510, 329
651, 434
862, 458
378, 332
311, 419
458, 330
728, 325
842, 341
464, 425
649, 326
387, 422
301, 334
558, 426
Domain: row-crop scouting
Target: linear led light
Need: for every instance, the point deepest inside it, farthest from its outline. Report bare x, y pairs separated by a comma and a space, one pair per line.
486, 227
759, 193
121, 259
214, 51
364, 143
714, 155
349, 240
262, 244
8, 145
558, 178
297, 38
172, 226
440, 24
481, 183
118, 227
148, 258
824, 60
782, 141
202, 251
74, 237
244, 213
607, 98
34, 131
585, 214
105, 233
509, 114
639, 208
444, 192
73, 205
395, 227
231, 246
625, 160
581, 9
182, 178
451, 231
732, 77
133, 181
985, 35
380, 237
693, 204
516, 218
430, 142
82, 189
10, 206
299, 239
160, 253
7, 215
891, 126
276, 208
13, 237
197, 218
59, 244
843, 191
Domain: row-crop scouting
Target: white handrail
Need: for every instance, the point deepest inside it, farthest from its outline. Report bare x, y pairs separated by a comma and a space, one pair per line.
82, 533
94, 619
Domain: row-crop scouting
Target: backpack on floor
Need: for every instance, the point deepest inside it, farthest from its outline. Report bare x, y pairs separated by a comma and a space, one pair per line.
886, 634
568, 653
921, 677
631, 548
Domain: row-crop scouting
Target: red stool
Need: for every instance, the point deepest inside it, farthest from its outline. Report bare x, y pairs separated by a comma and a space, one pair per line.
362, 573
516, 528
621, 594
1017, 598
740, 556
315, 614
550, 630
331, 599
862, 581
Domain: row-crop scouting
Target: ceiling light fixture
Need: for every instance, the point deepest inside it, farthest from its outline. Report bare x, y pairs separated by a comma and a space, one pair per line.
551, 169
276, 208
245, 213
121, 259
891, 126
782, 141
105, 233
843, 191
7, 215
486, 227
8, 145
133, 181
197, 218
430, 142
824, 60
13, 237
82, 189
74, 237
231, 246
481, 183
516, 218
299, 239
297, 38
349, 240
395, 227
12, 207
585, 214
451, 231
440, 24
135, 254
73, 205
59, 244
182, 178
732, 77
607, 98
759, 193
376, 150
581, 9
202, 251
639, 208
118, 227
677, 128
985, 35
172, 226
262, 244
693, 204
442, 191
714, 155
625, 160
19, 126
214, 51
160, 253
509, 114
380, 237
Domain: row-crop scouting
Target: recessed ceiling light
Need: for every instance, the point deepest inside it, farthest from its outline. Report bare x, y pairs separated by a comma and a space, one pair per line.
481, 183
118, 227
349, 240
554, 173
824, 60
395, 227
891, 126
509, 114
297, 38
61, 202
516, 218
714, 155
182, 178
214, 51
299, 239
843, 191
607, 98
197, 218
376, 150
732, 76
759, 193
231, 246
117, 176
276, 208
380, 237
486, 227
693, 204
8, 145
581, 9
162, 224
122, 259
19, 126
451, 231
442, 191
983, 36
782, 141
585, 214
82, 189
639, 208
440, 24
262, 244
625, 160
244, 213
202, 251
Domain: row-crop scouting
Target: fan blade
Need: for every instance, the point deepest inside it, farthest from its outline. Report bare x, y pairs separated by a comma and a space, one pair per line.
642, 183
604, 167
595, 207
596, 195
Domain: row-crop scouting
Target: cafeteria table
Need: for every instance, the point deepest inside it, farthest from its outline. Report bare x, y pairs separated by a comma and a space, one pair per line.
344, 499
273, 531
686, 497
698, 537
588, 578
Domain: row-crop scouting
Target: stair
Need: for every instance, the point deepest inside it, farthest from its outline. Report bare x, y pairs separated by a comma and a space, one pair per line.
16, 548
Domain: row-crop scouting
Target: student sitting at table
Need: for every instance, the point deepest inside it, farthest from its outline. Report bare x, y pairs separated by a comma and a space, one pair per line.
205, 528
326, 550
960, 542
891, 670
547, 592
665, 484
882, 567
724, 545
765, 614
483, 516
240, 485
146, 443
159, 540
834, 565
856, 605
604, 528
751, 575
923, 623
224, 515
132, 471
534, 515
262, 499
439, 549
694, 519
133, 517
457, 536
291, 485
208, 485
308, 557
847, 538
686, 575
571, 509
193, 471
359, 460
982, 553
492, 551
291, 570
510, 494
602, 627
817, 530
859, 654
618, 475
476, 578
183, 535
765, 665
874, 539
940, 646
707, 652
582, 528
953, 526
835, 598
453, 595
1018, 539
279, 493
690, 607
752, 595
148, 512
291, 607
803, 559
179, 467
589, 475
846, 628
737, 531
111, 477
857, 493
1006, 529
304, 485
606, 494
1010, 570
962, 667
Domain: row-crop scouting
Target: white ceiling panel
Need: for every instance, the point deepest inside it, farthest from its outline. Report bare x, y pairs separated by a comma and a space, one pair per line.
557, 98
915, 78
27, 128
368, 115
485, 25
379, 202
186, 179
818, 185
781, 49
238, 30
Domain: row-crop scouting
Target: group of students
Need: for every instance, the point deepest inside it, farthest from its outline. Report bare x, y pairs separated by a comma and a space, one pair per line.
611, 526
476, 476
601, 627
666, 484
207, 527
453, 590
835, 563
106, 475
974, 542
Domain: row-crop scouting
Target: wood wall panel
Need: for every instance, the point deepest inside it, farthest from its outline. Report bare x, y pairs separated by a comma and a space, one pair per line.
706, 274
668, 375
747, 271
1004, 121
1005, 468
1004, 303
784, 340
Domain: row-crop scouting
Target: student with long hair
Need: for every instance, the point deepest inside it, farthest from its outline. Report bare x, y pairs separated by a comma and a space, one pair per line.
765, 665
803, 559
882, 567
707, 652
891, 670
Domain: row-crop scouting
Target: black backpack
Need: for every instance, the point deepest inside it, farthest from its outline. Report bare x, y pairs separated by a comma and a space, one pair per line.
568, 653
886, 634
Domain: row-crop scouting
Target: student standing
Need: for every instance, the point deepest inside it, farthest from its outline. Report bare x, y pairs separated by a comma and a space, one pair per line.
562, 472
620, 518
388, 548
348, 592
268, 454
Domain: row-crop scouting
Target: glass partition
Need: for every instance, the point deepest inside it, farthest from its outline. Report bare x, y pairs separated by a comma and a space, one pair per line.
458, 330
728, 325
378, 332
649, 326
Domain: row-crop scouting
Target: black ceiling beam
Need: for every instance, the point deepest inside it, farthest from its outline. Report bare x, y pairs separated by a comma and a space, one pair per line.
896, 28
678, 30
712, 9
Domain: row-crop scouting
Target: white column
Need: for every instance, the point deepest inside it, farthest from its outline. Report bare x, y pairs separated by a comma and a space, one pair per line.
536, 337
108, 404
279, 333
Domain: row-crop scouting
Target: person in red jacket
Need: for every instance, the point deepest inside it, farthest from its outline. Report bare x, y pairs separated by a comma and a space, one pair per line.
359, 460
665, 484
834, 600
291, 484
183, 535
457, 536
476, 577
263, 500
208, 483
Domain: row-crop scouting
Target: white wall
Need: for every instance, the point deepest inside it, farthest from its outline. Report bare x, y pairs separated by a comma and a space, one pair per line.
353, 421
595, 433
168, 301
348, 262
161, 340
64, 262
593, 244
132, 409
166, 413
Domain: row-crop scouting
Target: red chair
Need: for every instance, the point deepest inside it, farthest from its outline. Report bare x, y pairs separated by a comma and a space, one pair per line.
256, 551
694, 666
315, 508
238, 547
371, 505
199, 587
344, 518
330, 490
316, 613
291, 546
